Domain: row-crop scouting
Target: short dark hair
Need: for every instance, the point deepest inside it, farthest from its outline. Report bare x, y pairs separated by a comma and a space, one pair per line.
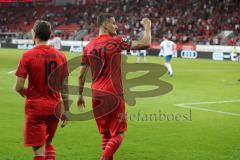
165, 35
103, 17
42, 30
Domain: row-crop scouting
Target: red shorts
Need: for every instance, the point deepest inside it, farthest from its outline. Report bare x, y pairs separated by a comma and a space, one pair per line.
39, 129
112, 122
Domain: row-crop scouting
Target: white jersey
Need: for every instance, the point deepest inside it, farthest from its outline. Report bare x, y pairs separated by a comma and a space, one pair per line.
56, 43
168, 47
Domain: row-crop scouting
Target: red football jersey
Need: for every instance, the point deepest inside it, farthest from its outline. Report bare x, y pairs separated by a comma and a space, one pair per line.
103, 55
43, 93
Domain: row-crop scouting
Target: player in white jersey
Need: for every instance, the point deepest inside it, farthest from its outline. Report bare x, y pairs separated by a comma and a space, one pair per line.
56, 43
142, 55
168, 48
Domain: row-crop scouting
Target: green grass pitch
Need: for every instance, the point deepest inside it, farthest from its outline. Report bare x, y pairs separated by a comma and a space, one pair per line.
211, 132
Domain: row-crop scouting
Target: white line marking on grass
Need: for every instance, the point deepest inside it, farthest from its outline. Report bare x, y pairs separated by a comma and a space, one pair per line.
142, 71
189, 106
11, 72
205, 70
210, 102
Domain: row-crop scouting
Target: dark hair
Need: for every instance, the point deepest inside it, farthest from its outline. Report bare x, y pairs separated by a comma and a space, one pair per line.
42, 30
103, 18
165, 35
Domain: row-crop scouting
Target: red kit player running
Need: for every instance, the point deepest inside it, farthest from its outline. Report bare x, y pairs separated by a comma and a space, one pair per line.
103, 56
43, 98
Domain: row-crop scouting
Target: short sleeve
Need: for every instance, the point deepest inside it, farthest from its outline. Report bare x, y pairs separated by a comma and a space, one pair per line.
23, 67
85, 59
161, 45
124, 43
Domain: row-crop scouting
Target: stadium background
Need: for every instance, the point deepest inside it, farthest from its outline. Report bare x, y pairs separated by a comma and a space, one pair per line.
203, 89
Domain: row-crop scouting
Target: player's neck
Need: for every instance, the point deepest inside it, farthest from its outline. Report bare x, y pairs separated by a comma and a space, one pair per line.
41, 43
102, 32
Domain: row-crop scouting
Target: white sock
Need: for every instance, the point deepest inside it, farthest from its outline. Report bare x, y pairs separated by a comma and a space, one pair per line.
166, 65
169, 67
138, 60
145, 60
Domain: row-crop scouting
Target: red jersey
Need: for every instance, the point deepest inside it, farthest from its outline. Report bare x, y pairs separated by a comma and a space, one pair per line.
103, 55
38, 64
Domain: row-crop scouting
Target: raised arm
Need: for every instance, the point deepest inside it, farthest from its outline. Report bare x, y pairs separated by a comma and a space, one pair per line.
145, 42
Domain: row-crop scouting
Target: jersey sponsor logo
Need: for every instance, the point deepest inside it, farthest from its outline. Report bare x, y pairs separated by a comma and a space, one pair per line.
189, 54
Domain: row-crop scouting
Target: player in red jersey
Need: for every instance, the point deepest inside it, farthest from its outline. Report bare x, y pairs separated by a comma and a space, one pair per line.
43, 98
103, 56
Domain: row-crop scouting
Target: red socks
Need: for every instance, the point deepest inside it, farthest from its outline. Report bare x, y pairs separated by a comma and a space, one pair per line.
105, 139
111, 147
39, 158
50, 153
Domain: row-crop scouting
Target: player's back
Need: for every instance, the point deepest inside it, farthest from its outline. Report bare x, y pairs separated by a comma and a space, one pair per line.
104, 59
38, 63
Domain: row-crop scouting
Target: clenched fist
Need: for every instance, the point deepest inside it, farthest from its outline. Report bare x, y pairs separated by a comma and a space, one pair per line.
146, 21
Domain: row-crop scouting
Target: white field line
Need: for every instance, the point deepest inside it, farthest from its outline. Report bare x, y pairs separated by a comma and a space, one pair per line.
11, 72
189, 106
205, 70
